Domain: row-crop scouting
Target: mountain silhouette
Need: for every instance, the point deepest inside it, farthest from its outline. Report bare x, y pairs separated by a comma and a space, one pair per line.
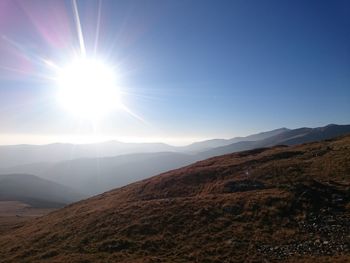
214, 143
287, 137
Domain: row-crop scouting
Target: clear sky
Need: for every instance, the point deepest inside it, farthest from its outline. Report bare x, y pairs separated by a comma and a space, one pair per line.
187, 70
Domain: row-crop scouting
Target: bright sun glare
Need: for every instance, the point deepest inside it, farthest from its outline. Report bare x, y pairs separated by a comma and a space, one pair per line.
87, 88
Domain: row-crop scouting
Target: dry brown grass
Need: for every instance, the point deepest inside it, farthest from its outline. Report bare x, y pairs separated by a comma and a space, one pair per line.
257, 206
14, 214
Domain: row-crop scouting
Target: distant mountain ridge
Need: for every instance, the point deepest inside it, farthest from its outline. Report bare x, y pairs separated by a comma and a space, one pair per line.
15, 155
12, 155
287, 137
200, 146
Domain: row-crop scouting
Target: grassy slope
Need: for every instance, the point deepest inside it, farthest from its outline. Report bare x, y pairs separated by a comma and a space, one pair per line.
289, 203
14, 214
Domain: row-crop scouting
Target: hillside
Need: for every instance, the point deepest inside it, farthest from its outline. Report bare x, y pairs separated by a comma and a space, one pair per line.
36, 191
289, 203
14, 214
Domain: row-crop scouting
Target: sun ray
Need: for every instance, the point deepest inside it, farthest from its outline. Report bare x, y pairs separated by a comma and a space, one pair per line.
78, 27
97, 35
136, 116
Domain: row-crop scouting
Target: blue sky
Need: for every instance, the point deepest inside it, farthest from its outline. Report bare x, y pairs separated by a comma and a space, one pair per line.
189, 69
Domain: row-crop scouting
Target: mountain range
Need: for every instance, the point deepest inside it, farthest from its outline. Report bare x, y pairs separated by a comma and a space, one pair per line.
94, 175
15, 155
286, 137
214, 143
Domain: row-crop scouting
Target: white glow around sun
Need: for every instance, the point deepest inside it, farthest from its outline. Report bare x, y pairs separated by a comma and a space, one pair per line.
87, 88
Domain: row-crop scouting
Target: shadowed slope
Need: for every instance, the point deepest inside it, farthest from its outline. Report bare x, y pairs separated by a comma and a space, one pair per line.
289, 203
36, 191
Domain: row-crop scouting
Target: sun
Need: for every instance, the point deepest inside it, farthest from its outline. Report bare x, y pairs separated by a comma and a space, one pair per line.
87, 88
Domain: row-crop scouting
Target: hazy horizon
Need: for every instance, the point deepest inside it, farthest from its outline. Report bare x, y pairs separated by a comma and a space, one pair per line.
10, 139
